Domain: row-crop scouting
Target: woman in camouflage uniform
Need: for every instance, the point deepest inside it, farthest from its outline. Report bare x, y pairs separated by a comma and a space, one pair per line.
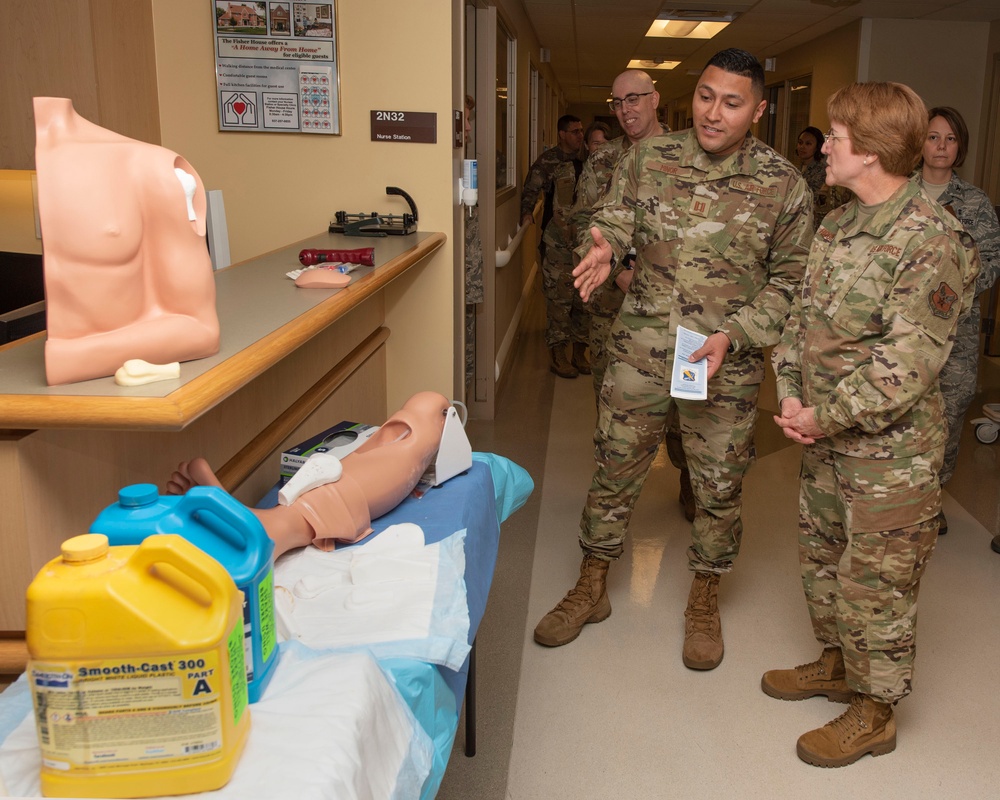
809, 149
889, 274
945, 148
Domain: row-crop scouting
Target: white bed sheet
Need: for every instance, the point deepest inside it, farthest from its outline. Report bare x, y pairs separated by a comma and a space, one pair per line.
330, 726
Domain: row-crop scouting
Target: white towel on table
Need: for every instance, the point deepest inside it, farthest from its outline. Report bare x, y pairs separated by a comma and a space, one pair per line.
394, 595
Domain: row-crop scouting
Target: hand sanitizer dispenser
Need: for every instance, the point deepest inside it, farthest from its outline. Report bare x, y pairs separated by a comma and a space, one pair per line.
470, 182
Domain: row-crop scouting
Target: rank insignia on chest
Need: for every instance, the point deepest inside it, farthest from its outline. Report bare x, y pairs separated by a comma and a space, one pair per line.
942, 301
700, 206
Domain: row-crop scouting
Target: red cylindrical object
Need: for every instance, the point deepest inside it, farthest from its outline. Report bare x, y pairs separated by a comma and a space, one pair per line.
362, 255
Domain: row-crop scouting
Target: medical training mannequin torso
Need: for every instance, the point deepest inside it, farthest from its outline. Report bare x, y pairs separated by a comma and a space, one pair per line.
376, 478
127, 271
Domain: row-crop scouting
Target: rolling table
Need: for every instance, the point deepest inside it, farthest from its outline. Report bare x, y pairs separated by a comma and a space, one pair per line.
478, 501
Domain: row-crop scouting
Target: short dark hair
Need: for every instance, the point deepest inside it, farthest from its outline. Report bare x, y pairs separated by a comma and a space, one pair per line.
817, 134
565, 121
740, 62
958, 126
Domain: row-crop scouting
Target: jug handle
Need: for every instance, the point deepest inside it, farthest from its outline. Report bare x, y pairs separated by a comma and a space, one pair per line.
229, 510
158, 549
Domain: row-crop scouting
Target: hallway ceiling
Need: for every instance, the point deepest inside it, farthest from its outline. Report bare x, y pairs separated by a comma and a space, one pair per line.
591, 41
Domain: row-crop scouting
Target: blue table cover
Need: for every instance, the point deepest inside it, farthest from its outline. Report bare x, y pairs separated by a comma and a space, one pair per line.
478, 501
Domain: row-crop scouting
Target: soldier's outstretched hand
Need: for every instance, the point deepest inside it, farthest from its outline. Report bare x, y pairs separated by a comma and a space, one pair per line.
594, 267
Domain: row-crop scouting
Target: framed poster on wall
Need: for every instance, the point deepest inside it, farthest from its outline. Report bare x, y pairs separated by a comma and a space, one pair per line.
276, 66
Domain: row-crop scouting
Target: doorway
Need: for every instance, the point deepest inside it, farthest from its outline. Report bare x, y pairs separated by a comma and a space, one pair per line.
787, 114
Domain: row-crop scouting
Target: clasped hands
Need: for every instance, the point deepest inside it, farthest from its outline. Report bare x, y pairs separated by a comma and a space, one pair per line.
593, 270
797, 422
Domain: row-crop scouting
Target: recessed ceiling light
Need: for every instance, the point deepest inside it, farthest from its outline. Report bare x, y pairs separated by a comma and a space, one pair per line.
682, 24
651, 63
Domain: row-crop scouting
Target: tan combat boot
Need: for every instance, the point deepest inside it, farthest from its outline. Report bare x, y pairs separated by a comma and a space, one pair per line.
586, 602
703, 647
560, 364
866, 727
825, 676
580, 358
687, 495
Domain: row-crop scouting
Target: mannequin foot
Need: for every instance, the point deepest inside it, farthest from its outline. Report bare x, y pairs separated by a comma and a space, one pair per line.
195, 472
287, 529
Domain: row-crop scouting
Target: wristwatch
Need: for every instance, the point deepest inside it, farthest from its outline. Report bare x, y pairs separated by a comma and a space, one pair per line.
732, 348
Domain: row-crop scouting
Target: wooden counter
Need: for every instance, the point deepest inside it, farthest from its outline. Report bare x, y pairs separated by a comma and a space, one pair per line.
263, 316
292, 362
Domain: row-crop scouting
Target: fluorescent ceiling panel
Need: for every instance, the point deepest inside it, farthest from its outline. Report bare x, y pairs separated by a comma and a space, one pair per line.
702, 30
644, 63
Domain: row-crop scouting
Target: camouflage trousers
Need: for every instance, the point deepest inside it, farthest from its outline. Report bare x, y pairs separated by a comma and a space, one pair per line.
958, 386
600, 326
566, 318
717, 439
867, 528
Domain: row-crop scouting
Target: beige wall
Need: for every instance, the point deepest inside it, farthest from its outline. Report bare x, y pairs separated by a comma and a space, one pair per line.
280, 188
832, 60
988, 171
944, 62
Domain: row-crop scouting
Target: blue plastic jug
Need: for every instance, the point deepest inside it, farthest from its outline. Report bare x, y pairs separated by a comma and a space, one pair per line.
214, 521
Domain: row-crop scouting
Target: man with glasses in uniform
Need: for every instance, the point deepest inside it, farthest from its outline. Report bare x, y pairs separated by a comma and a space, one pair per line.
554, 175
722, 225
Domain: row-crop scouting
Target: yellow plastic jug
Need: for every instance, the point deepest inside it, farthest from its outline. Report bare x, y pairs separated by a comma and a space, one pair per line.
136, 669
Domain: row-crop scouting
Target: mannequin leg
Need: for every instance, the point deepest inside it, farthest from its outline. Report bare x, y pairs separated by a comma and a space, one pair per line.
376, 478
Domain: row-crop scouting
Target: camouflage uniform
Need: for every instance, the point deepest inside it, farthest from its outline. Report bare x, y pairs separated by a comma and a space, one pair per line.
825, 198
606, 300
473, 287
958, 377
719, 247
868, 334
554, 174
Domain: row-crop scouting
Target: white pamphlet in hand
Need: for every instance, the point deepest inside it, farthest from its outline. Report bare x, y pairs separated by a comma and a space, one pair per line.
688, 381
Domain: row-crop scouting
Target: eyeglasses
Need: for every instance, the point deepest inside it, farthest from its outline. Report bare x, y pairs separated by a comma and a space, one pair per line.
629, 100
831, 135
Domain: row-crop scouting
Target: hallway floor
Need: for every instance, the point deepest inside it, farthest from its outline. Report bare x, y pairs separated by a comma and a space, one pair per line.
616, 714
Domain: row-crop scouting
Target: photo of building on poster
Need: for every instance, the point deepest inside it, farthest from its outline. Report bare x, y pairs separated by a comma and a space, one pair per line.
276, 66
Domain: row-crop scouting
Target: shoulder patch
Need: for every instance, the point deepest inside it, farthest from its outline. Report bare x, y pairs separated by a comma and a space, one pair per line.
942, 301
750, 187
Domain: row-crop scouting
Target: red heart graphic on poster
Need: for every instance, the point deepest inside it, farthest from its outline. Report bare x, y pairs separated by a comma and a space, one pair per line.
239, 107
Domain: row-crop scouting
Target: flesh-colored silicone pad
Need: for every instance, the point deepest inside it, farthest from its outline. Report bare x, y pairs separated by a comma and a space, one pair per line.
322, 279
